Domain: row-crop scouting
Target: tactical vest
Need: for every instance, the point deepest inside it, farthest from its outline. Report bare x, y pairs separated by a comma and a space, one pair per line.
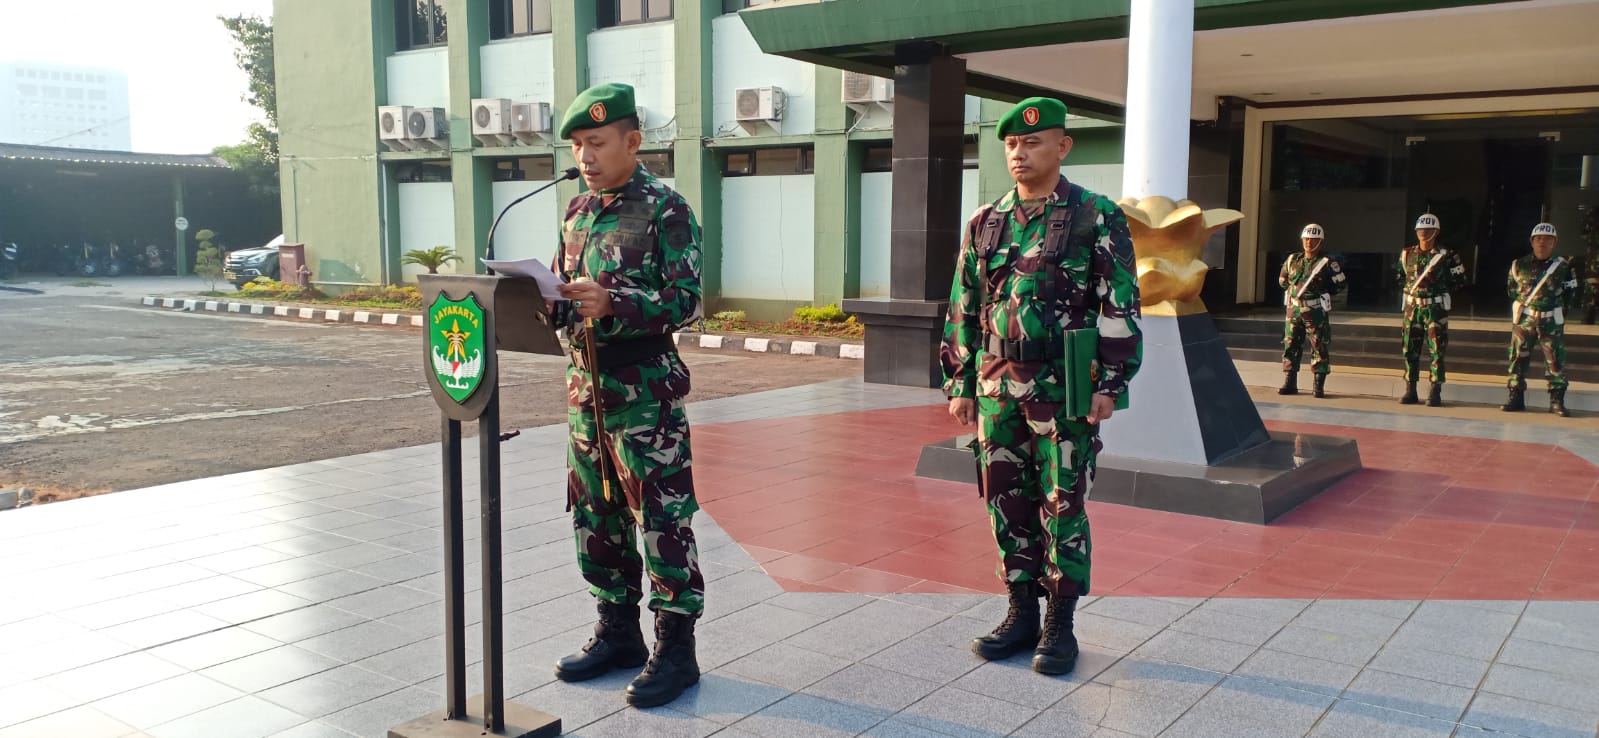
631, 248
1066, 231
635, 229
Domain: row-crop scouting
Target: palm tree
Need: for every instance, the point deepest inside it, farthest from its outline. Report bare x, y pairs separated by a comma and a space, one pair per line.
432, 258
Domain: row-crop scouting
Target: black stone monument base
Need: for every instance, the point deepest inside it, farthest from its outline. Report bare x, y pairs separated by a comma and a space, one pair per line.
902, 339
520, 722
1256, 486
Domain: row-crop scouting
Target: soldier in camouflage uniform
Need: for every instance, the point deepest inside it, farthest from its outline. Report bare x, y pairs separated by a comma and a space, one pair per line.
1543, 287
1428, 272
630, 252
1016, 291
1309, 280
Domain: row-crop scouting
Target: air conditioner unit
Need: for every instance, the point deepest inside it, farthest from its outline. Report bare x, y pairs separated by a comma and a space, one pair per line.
391, 126
427, 128
864, 89
530, 121
758, 104
491, 120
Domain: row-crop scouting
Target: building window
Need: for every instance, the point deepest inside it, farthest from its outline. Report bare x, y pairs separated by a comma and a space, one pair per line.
624, 12
420, 24
509, 18
422, 171
527, 168
879, 157
769, 162
733, 6
659, 163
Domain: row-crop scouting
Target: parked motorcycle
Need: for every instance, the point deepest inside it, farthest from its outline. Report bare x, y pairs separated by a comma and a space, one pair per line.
113, 264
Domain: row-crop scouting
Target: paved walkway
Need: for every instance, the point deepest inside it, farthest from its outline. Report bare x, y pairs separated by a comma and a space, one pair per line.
1440, 592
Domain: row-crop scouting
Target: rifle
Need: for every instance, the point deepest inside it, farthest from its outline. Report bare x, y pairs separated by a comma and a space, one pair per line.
591, 357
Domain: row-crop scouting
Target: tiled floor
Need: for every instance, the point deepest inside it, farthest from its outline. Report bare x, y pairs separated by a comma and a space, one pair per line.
304, 602
1431, 516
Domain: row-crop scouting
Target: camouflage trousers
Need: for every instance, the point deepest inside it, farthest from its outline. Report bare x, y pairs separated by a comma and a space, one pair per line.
1425, 326
1035, 471
1307, 323
652, 488
1548, 336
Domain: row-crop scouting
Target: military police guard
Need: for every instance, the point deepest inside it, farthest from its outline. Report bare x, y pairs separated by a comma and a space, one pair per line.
1428, 273
1047, 257
631, 256
1309, 281
1543, 287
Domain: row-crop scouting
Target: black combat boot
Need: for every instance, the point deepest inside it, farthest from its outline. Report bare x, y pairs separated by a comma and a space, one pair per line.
1290, 384
1019, 631
1557, 402
672, 668
1321, 386
1517, 401
1435, 395
618, 643
1410, 394
1057, 650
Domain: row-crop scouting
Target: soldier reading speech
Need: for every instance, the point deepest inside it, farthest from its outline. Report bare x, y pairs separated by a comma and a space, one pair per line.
630, 254
1046, 258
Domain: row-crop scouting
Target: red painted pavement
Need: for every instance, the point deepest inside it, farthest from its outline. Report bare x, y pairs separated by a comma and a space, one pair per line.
829, 503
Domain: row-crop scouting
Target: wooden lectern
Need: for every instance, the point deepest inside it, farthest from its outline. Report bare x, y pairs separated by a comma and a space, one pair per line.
470, 318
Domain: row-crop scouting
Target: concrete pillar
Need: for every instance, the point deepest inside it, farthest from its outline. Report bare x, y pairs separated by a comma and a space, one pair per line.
903, 332
471, 178
698, 178
1160, 64
181, 253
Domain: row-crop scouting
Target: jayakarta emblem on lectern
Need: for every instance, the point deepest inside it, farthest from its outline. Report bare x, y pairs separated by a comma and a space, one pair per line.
455, 341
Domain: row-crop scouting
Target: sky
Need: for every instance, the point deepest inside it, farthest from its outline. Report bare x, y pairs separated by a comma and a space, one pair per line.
184, 87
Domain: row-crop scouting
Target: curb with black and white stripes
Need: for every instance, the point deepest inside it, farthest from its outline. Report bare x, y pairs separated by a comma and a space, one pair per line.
759, 345
326, 315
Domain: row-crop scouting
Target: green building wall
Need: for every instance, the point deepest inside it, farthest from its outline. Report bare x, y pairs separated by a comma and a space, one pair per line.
338, 191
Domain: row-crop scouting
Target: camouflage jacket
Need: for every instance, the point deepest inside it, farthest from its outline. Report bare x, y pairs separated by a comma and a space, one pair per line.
1095, 285
643, 245
1301, 279
1559, 290
1448, 276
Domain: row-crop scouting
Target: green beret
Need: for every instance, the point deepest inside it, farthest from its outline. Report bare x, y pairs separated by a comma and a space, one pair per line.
597, 106
1032, 114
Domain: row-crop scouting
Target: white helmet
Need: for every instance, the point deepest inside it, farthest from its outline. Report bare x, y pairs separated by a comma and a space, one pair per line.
1544, 229
1312, 231
1427, 220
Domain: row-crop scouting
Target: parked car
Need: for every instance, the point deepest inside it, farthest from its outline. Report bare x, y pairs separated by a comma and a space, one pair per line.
245, 265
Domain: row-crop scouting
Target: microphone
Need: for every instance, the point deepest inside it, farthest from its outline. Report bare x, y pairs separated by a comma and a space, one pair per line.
488, 253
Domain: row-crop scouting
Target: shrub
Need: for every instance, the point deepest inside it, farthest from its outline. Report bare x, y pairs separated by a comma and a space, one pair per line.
829, 313
208, 259
730, 316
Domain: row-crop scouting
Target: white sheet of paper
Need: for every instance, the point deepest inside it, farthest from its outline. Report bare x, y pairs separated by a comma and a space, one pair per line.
529, 269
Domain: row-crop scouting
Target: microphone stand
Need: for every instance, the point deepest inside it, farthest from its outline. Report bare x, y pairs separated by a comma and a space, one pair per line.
488, 252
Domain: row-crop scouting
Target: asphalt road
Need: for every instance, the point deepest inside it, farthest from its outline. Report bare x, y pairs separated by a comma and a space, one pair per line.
98, 393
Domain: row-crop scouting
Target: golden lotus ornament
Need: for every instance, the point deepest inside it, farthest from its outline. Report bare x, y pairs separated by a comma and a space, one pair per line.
1167, 239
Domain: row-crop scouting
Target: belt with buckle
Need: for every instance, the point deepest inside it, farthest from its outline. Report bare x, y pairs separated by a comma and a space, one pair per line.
626, 353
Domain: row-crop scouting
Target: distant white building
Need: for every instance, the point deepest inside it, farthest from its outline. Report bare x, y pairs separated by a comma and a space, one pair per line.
63, 105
